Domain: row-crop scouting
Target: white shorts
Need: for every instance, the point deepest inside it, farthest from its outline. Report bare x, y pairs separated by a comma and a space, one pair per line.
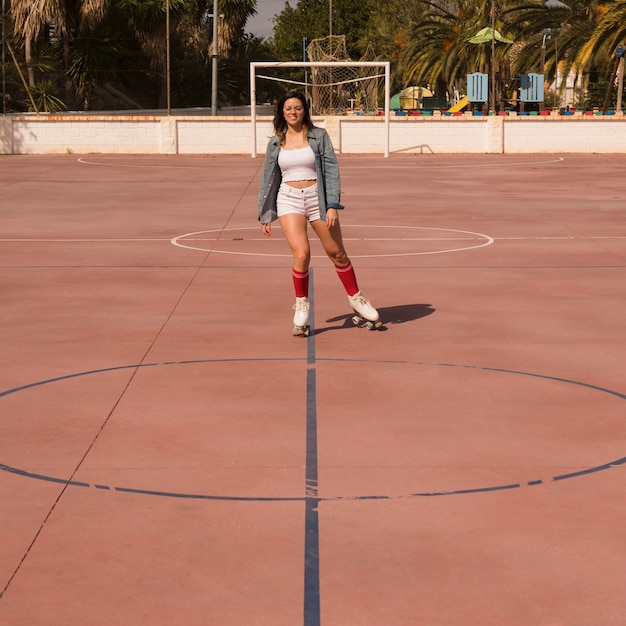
302, 201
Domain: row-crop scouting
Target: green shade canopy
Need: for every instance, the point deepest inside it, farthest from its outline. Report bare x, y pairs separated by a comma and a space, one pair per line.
486, 35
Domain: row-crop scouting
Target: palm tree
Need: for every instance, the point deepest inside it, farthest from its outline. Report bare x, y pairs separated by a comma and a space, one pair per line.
231, 26
61, 21
609, 32
439, 51
565, 28
31, 17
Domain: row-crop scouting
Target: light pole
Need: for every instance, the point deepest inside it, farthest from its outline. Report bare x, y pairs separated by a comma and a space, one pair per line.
167, 55
556, 73
330, 42
493, 58
214, 61
553, 4
547, 33
619, 53
543, 58
4, 71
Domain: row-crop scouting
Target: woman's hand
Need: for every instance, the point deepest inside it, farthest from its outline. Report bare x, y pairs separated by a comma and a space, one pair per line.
332, 217
266, 229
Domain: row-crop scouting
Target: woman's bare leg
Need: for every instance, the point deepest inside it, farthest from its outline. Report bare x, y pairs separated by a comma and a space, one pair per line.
332, 242
294, 227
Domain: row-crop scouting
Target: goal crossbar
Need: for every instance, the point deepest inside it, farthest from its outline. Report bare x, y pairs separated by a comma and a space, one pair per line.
260, 64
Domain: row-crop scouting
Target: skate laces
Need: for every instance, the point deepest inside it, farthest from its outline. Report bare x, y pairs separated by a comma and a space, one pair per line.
361, 303
301, 306
357, 298
362, 306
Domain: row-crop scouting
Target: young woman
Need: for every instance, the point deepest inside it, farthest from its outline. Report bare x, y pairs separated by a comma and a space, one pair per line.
301, 186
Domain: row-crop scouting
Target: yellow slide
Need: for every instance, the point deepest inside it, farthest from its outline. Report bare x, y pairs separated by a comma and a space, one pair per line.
461, 104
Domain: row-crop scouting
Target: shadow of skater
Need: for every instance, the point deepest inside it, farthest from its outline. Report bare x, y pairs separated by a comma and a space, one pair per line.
404, 313
389, 315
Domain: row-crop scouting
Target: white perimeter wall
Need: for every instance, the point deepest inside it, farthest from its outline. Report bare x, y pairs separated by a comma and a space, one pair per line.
82, 134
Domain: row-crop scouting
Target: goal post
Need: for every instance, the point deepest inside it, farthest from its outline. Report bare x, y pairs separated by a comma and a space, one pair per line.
385, 65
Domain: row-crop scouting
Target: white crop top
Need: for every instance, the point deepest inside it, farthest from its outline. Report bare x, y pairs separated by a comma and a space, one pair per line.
297, 164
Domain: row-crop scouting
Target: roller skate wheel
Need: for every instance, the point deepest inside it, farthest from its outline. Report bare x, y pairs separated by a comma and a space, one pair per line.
356, 320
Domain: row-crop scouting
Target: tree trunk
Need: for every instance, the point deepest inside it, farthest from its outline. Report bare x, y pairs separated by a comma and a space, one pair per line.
29, 62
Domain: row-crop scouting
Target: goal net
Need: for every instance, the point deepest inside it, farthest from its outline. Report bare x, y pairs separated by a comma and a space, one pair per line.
335, 90
332, 85
330, 89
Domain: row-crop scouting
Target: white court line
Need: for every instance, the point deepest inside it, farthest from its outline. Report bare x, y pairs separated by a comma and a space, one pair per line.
281, 240
139, 165
344, 238
394, 164
422, 165
485, 239
59, 240
577, 237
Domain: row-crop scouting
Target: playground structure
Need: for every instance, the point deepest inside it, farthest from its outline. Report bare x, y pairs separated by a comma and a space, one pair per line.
531, 91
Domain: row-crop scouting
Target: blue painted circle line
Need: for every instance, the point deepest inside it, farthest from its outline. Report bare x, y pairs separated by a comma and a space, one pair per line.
303, 498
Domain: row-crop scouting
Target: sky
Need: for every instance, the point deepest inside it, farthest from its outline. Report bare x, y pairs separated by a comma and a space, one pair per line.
261, 24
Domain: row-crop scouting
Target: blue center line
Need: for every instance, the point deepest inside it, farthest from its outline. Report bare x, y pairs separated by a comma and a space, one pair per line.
310, 344
311, 519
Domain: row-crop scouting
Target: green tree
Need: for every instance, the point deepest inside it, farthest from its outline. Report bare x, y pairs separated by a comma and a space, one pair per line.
388, 32
311, 19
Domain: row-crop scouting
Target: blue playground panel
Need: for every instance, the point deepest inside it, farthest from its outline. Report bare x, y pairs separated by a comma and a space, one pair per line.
531, 87
477, 87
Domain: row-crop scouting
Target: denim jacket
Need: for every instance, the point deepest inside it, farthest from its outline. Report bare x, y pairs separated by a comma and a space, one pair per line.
327, 168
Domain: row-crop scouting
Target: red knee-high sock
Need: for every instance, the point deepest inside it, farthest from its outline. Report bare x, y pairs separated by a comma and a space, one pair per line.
301, 283
348, 278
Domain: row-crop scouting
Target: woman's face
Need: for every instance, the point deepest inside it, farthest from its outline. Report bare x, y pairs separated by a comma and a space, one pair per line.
293, 110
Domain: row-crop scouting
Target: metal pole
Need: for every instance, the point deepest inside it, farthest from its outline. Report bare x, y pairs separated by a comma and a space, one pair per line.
543, 63
556, 74
620, 85
387, 98
306, 74
4, 71
493, 57
214, 61
253, 107
330, 41
167, 56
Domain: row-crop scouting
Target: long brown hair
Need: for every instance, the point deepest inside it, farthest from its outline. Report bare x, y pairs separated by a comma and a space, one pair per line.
280, 123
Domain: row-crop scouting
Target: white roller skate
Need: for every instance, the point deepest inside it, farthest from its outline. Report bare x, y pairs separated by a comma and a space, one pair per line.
365, 314
301, 318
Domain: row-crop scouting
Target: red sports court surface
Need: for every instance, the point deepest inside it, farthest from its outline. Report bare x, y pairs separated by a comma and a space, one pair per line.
171, 455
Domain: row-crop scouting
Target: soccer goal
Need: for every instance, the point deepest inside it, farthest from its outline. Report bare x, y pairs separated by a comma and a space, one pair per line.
333, 88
